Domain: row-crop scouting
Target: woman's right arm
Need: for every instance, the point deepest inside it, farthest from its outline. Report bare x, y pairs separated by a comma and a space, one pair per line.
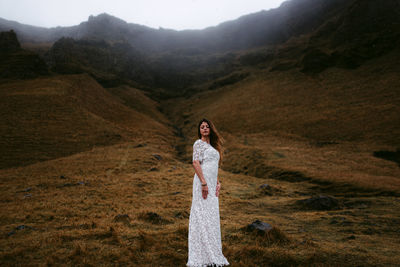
199, 171
197, 158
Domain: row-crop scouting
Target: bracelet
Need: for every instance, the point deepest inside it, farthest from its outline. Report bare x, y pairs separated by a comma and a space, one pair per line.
204, 184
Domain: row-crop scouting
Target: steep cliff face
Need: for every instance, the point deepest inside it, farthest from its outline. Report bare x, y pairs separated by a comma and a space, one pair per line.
365, 30
9, 42
111, 63
18, 63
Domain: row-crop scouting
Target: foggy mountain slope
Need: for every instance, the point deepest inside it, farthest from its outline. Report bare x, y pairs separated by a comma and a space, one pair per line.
366, 30
110, 63
262, 28
33, 34
184, 64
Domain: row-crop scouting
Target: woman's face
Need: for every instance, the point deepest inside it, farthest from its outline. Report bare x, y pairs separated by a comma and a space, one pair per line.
204, 129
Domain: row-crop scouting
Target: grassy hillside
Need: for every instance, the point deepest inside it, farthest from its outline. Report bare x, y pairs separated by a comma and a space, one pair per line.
51, 117
327, 125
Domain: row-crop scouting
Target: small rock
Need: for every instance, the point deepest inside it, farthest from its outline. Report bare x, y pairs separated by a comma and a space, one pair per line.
153, 169
63, 177
27, 195
175, 193
21, 227
259, 226
266, 231
182, 214
11, 233
25, 190
157, 156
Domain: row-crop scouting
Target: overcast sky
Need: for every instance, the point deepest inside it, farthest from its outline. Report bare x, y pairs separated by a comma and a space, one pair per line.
171, 14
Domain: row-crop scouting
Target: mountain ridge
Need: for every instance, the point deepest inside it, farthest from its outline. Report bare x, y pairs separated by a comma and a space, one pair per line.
235, 33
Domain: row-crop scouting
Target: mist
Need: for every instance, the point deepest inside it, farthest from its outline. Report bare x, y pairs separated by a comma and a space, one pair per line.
174, 14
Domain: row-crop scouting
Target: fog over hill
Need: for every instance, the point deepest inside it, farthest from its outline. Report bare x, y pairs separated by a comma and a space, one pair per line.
265, 27
307, 34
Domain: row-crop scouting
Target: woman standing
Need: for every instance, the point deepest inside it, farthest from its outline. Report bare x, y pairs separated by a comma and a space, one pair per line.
204, 237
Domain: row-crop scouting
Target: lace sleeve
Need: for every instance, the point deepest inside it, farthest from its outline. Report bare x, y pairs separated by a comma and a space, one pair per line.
198, 151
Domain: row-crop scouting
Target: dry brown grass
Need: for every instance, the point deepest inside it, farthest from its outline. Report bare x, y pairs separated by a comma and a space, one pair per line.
74, 225
277, 126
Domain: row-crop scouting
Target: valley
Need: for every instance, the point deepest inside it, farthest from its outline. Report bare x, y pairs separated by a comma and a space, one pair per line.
97, 133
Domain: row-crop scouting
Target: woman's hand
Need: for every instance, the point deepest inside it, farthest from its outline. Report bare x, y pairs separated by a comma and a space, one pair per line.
217, 189
204, 190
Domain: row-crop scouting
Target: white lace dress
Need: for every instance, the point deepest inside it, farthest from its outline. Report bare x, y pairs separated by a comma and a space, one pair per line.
204, 235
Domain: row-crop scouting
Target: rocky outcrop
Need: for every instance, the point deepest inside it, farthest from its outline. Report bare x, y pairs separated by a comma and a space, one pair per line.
17, 63
9, 42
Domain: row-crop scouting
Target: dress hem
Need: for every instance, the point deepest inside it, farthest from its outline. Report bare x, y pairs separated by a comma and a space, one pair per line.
207, 264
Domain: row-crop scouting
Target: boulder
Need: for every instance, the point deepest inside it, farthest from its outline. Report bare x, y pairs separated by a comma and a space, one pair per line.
259, 226
268, 233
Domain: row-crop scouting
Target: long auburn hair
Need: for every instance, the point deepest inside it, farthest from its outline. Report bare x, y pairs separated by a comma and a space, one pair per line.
216, 140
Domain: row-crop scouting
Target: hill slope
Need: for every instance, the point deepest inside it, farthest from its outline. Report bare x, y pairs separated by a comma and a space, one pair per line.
51, 117
314, 124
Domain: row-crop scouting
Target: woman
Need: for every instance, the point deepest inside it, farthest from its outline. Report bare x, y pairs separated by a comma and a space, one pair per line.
204, 237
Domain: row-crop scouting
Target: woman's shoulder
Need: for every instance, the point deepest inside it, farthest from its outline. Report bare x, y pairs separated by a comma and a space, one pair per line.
198, 141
